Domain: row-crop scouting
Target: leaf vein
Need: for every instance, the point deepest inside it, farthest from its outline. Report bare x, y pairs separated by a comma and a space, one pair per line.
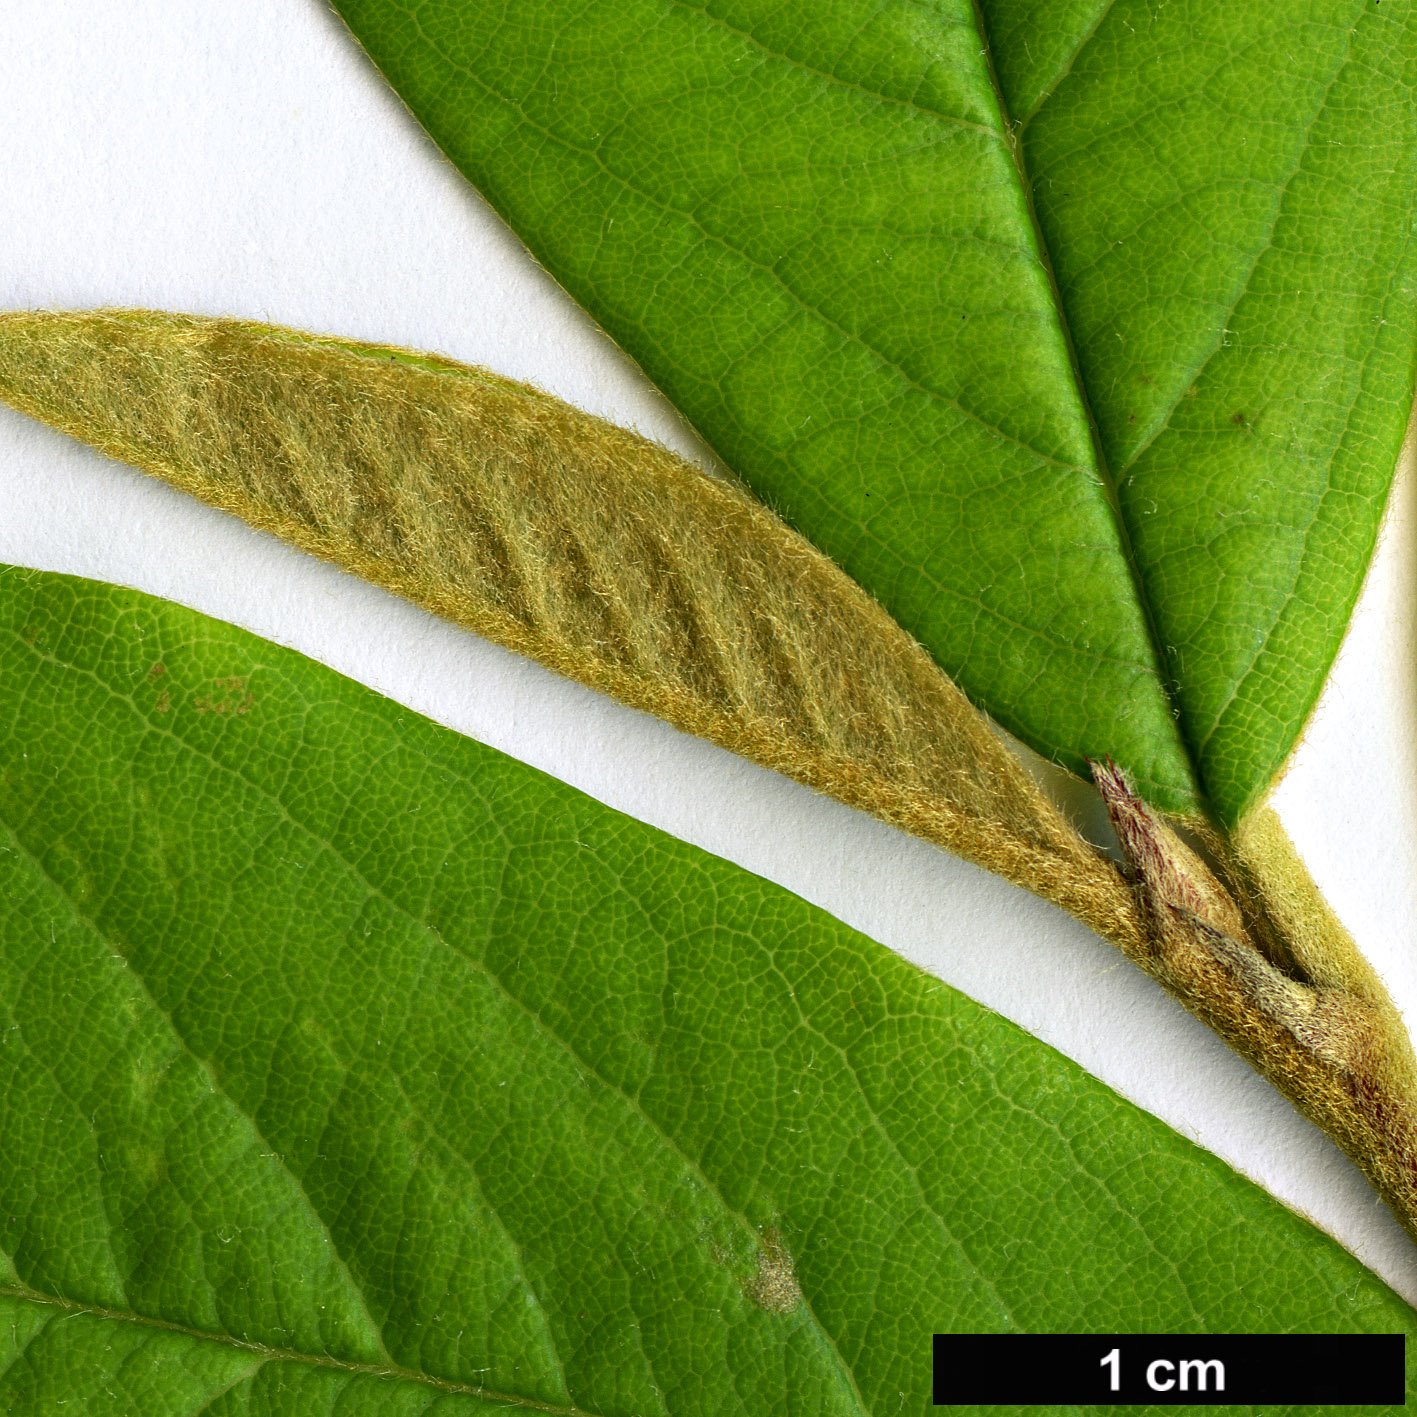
835, 79
268, 1354
1162, 422
1067, 65
209, 1075
480, 966
852, 337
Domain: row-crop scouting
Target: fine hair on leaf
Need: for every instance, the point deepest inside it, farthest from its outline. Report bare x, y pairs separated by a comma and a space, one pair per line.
565, 538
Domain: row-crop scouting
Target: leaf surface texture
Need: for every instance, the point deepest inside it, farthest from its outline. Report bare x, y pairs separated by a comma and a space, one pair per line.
1080, 334
349, 1066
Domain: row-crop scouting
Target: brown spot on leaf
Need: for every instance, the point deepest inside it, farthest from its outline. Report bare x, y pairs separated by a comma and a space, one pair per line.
773, 1285
230, 696
157, 671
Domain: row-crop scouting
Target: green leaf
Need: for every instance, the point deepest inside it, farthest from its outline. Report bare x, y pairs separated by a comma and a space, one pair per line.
348, 1065
1128, 510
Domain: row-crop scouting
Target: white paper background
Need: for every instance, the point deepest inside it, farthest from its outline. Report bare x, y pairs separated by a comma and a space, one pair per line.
241, 157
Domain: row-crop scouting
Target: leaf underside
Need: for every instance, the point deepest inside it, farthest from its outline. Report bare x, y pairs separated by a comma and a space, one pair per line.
348, 1066
1084, 340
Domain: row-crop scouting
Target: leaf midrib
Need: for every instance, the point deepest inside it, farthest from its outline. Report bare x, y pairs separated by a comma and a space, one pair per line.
1159, 667
1110, 480
268, 1354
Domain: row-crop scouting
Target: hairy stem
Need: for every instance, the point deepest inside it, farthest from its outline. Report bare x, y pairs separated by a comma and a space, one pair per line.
1264, 962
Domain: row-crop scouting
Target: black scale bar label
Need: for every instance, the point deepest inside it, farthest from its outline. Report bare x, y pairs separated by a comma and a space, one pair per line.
1020, 1369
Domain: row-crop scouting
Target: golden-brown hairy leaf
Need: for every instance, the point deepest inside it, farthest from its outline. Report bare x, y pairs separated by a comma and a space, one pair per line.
567, 539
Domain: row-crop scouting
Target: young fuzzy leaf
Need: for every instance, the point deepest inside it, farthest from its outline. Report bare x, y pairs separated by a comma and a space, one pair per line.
575, 542
350, 1067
